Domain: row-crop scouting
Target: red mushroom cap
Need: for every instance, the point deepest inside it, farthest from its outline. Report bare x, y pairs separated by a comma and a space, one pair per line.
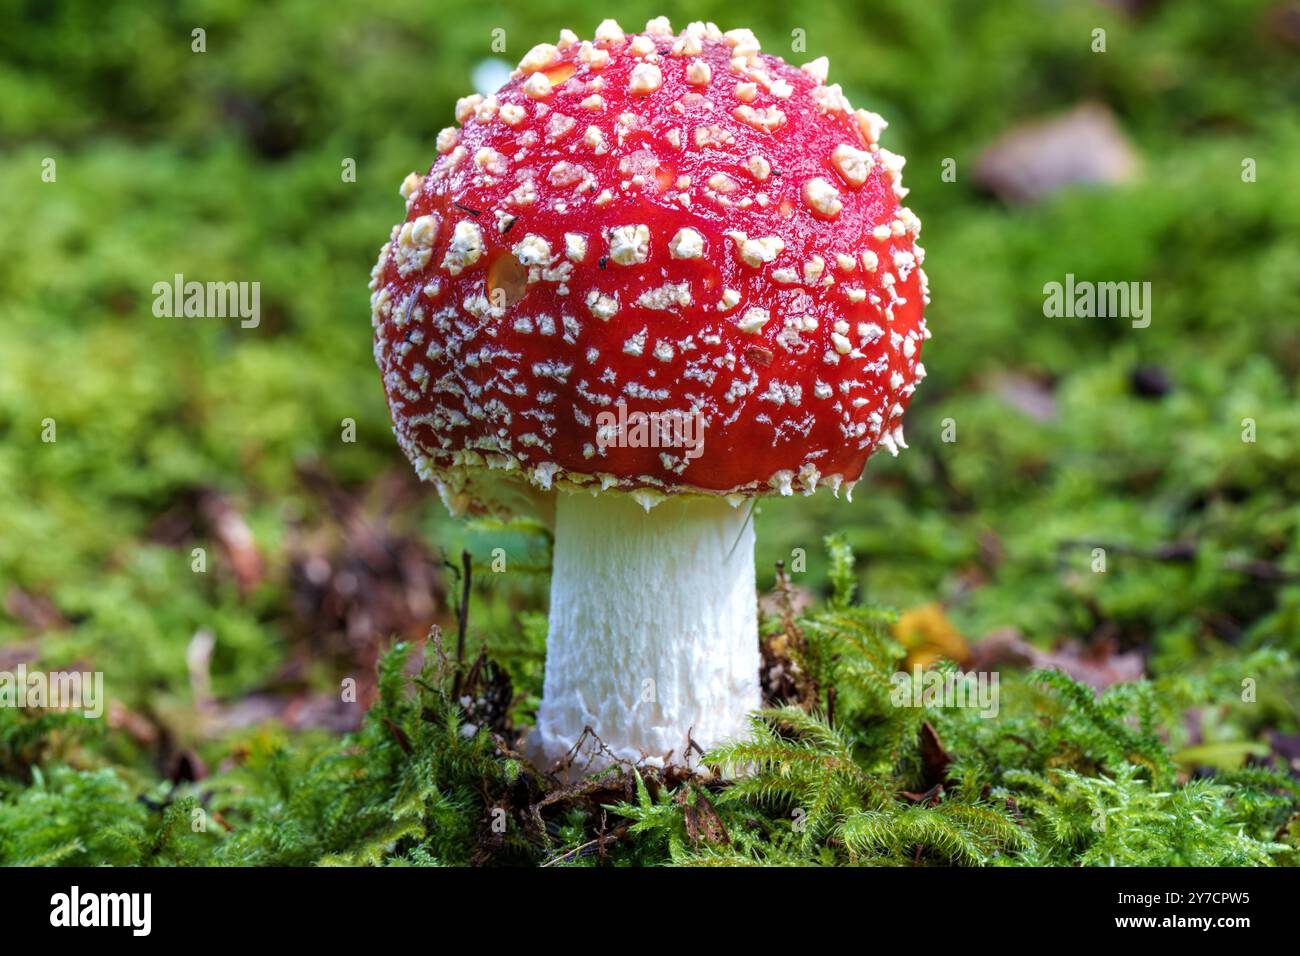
653, 223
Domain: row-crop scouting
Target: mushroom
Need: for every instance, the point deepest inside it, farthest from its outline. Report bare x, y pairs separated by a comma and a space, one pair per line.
653, 277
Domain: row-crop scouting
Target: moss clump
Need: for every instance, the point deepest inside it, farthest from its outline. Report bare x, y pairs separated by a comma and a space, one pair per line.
1059, 777
227, 165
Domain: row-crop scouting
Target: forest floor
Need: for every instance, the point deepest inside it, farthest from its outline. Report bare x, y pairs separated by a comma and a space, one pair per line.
218, 519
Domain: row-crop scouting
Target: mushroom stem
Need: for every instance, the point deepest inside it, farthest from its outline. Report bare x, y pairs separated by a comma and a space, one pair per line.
653, 629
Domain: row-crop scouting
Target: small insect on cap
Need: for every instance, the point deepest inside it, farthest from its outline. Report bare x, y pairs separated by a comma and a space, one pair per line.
655, 262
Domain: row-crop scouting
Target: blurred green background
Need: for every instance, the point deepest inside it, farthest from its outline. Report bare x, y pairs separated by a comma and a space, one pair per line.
177, 434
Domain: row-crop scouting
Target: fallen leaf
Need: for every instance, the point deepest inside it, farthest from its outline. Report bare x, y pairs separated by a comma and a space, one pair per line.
703, 825
35, 610
1283, 24
929, 636
1098, 665
232, 533
1224, 755
935, 760
1287, 746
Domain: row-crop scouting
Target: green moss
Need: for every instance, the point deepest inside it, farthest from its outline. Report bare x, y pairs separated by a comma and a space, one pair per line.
227, 165
1059, 777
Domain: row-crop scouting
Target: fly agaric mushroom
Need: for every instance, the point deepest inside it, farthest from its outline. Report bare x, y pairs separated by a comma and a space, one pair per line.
652, 277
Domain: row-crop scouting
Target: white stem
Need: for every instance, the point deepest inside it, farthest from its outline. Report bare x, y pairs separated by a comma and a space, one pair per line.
653, 628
